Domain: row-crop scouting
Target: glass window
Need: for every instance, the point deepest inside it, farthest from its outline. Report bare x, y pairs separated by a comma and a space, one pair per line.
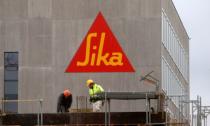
162, 28
171, 42
164, 40
11, 80
11, 87
11, 107
11, 59
170, 82
11, 75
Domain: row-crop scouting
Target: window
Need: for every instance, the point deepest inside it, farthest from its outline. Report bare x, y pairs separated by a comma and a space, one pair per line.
11, 81
172, 85
172, 44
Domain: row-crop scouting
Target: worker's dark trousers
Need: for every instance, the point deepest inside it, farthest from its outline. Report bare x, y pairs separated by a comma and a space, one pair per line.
62, 109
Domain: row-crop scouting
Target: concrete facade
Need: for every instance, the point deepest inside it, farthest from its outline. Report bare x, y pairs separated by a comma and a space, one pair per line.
47, 34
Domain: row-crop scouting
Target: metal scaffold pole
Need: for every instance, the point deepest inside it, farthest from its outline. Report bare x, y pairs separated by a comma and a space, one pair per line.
146, 110
39, 113
192, 114
199, 123
205, 111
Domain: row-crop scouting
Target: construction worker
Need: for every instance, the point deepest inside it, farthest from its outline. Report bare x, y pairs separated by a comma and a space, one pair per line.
64, 101
94, 99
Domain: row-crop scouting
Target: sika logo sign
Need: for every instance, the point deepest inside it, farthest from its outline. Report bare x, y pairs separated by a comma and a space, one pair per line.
100, 51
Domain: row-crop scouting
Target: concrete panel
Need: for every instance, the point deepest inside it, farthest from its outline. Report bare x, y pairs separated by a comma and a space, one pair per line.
14, 35
71, 9
151, 8
50, 91
13, 9
39, 51
1, 9
1, 61
68, 35
114, 8
1, 82
132, 9
36, 83
2, 42
148, 43
13, 38
39, 8
144, 35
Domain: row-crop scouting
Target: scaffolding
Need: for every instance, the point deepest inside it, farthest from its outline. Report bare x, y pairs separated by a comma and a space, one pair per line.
39, 113
147, 96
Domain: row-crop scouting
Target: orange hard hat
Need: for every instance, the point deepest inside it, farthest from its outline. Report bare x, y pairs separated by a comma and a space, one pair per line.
66, 93
89, 81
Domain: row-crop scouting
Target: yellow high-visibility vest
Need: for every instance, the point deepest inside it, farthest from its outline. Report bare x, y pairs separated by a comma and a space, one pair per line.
96, 89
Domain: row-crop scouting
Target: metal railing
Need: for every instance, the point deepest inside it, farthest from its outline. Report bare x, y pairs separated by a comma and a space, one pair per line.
39, 113
81, 103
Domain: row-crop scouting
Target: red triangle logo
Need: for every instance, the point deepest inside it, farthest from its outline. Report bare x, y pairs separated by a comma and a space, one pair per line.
100, 51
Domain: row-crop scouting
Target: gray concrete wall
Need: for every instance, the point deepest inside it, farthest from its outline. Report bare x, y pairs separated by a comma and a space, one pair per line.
1, 77
47, 34
1, 64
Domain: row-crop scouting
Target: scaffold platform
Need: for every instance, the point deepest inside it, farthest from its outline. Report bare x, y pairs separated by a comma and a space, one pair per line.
80, 119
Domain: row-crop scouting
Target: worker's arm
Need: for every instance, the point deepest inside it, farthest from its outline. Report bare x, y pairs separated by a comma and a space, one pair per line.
59, 103
69, 102
101, 89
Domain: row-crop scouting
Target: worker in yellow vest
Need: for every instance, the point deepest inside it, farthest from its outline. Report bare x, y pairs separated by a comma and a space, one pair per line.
94, 89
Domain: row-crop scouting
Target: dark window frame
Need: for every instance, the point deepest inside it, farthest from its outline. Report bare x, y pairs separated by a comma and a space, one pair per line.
11, 67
